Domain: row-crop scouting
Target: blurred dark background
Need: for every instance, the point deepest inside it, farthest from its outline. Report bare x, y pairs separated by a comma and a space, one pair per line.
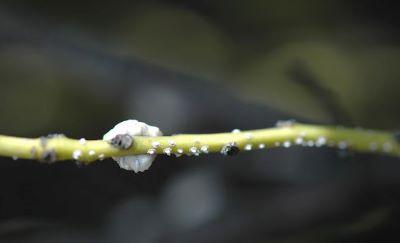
78, 68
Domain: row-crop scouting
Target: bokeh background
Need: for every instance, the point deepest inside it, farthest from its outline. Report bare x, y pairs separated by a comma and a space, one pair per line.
78, 68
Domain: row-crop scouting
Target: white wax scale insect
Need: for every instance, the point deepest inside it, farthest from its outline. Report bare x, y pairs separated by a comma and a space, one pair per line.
137, 163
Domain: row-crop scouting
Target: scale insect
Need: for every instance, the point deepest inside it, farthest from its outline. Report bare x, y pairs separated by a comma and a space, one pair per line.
122, 137
230, 149
122, 141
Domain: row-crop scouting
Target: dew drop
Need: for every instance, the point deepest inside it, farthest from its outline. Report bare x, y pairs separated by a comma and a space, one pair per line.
14, 157
204, 149
342, 145
151, 151
171, 143
101, 156
261, 146
76, 154
310, 143
298, 140
387, 147
236, 131
286, 144
92, 152
248, 147
373, 146
321, 141
193, 150
82, 141
155, 144
168, 151
179, 151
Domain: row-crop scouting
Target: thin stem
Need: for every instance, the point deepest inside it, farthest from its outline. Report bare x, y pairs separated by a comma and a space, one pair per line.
55, 148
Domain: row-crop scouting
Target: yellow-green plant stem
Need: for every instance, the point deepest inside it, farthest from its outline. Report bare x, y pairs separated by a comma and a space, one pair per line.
63, 148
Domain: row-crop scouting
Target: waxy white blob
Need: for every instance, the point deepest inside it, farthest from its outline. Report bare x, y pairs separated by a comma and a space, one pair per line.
137, 163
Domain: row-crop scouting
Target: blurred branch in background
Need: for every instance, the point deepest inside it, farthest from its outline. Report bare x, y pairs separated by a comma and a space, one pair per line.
301, 75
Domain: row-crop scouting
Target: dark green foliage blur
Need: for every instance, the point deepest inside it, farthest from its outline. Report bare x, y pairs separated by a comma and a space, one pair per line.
348, 47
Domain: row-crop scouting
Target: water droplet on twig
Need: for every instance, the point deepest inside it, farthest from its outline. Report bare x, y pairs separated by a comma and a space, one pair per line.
82, 141
76, 154
168, 151
236, 131
248, 147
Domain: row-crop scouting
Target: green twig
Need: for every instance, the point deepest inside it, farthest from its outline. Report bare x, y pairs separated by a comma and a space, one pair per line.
59, 147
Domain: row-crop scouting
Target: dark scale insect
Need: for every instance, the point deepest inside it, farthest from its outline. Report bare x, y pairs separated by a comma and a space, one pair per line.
122, 141
49, 156
230, 149
396, 136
